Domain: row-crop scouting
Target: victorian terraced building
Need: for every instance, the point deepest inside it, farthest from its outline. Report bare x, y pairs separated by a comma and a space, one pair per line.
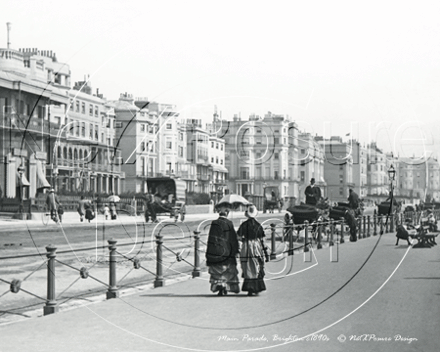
54, 135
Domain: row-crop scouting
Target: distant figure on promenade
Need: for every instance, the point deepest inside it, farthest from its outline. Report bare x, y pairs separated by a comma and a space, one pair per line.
106, 211
221, 251
253, 253
149, 208
82, 204
52, 203
313, 193
113, 211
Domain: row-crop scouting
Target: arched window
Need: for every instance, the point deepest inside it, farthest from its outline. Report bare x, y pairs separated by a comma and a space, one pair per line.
75, 154
59, 151
65, 153
80, 154
70, 153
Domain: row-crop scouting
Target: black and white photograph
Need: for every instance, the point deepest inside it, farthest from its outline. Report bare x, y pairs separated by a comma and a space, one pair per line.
219, 176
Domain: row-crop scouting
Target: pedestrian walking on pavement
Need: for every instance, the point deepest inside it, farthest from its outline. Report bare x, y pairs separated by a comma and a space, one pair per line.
106, 211
53, 203
82, 205
253, 253
221, 252
113, 210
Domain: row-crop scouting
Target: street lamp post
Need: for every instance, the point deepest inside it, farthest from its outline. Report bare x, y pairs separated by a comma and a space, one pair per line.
21, 171
392, 176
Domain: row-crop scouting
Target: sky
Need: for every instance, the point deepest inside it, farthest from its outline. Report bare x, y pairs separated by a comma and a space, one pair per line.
370, 69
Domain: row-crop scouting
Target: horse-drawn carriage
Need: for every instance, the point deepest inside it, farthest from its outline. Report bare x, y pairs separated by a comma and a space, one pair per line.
322, 212
272, 199
168, 198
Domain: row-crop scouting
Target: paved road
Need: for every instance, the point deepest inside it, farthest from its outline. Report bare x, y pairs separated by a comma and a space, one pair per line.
372, 295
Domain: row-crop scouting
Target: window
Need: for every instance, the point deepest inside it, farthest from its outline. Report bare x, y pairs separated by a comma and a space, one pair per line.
276, 140
169, 145
91, 131
142, 113
96, 133
142, 146
212, 159
221, 161
83, 108
216, 160
303, 151
258, 155
142, 127
83, 129
181, 136
96, 111
341, 191
221, 146
77, 106
91, 110
102, 137
258, 131
276, 156
169, 126
212, 144
216, 145
276, 175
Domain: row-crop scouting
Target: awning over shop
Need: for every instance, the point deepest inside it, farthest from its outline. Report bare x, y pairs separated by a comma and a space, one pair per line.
41, 178
22, 180
219, 168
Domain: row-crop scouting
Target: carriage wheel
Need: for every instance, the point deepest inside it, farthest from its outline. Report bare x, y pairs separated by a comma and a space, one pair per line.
45, 215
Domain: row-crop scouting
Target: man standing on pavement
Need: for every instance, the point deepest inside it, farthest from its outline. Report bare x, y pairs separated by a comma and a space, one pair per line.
353, 201
52, 203
313, 193
149, 211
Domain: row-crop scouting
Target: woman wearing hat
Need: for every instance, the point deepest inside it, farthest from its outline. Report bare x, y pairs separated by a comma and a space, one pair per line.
221, 250
253, 252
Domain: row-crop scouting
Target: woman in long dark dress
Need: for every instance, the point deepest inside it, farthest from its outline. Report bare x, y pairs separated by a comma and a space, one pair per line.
252, 253
221, 251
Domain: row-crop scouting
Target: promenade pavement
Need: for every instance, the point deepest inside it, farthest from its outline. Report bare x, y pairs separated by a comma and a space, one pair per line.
370, 295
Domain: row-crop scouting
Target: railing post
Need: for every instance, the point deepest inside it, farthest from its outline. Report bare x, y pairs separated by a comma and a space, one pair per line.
306, 236
273, 250
359, 226
319, 234
196, 270
364, 233
342, 231
290, 237
159, 282
381, 224
112, 291
392, 223
387, 221
369, 225
332, 229
51, 303
375, 219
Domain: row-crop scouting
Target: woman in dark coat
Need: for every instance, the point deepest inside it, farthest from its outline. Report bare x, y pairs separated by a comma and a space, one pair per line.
252, 254
220, 255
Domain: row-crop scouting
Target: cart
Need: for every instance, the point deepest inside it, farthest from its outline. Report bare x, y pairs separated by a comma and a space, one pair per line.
169, 198
271, 198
